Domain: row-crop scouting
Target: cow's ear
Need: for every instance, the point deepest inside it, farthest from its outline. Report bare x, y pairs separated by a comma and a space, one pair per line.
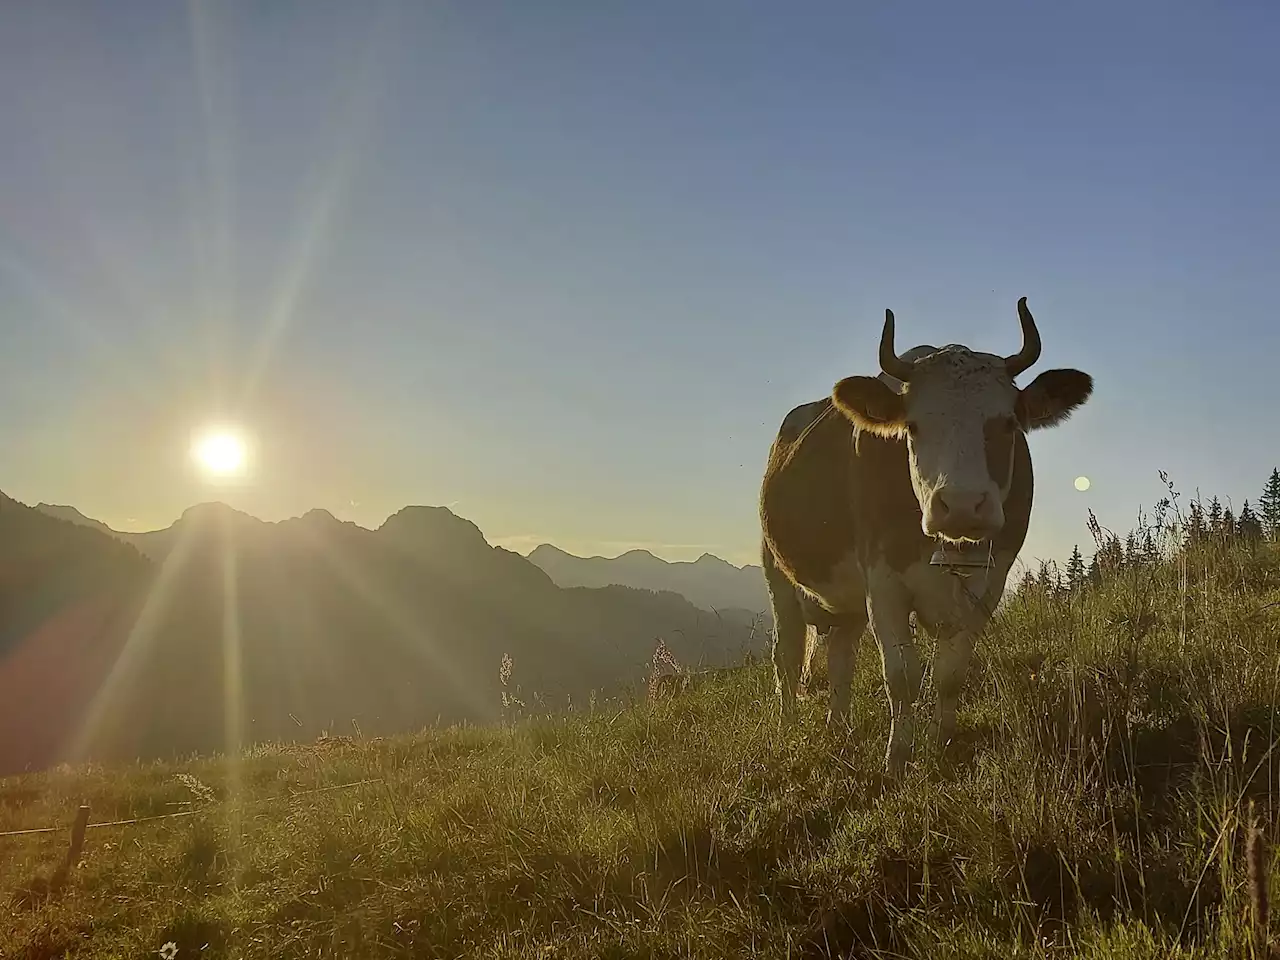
872, 405
1052, 397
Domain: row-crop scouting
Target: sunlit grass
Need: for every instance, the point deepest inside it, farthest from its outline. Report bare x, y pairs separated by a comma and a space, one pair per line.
1099, 807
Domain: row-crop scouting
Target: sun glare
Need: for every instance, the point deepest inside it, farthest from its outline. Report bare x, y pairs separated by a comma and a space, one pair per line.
220, 453
1083, 484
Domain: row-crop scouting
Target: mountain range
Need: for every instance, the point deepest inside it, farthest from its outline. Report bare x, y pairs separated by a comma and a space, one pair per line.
224, 629
708, 582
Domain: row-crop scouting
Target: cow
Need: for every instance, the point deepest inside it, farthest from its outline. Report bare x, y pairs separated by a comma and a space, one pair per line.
908, 492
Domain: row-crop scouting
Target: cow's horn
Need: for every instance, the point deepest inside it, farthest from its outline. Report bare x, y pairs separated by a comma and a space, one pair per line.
1030, 351
890, 362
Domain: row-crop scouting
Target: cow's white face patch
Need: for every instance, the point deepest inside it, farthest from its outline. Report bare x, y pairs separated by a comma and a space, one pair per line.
961, 424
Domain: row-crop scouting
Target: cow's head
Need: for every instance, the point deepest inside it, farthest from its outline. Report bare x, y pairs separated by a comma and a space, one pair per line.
960, 412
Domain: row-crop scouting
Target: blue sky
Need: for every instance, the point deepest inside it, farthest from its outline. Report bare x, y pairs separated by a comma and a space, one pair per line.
565, 267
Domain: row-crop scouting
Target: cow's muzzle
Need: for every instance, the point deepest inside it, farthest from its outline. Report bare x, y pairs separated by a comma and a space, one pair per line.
961, 515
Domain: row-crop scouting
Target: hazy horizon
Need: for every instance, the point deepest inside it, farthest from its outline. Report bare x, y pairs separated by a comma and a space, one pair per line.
565, 270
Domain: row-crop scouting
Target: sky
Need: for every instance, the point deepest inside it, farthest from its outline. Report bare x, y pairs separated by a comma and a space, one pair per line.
564, 267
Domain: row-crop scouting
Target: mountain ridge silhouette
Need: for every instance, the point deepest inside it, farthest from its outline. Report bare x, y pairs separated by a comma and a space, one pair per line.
710, 582
223, 630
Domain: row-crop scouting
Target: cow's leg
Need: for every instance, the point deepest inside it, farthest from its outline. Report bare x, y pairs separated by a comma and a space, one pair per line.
843, 638
890, 612
955, 650
789, 634
950, 667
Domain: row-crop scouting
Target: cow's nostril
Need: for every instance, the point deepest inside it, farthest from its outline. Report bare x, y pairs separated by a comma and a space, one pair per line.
960, 507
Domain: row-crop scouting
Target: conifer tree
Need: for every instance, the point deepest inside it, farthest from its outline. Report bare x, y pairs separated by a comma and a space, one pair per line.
1111, 554
1195, 522
1248, 526
1215, 516
1094, 576
1228, 529
1269, 506
1075, 570
1044, 577
1027, 585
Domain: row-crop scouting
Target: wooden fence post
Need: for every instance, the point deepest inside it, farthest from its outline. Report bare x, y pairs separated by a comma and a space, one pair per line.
77, 836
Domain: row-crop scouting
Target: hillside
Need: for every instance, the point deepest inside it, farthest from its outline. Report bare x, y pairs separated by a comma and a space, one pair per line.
241, 630
708, 582
72, 515
1115, 740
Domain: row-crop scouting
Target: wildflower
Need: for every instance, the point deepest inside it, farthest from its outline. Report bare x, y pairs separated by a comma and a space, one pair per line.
663, 660
202, 791
169, 950
666, 673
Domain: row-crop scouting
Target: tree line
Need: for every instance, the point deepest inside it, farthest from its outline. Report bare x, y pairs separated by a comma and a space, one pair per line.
1213, 523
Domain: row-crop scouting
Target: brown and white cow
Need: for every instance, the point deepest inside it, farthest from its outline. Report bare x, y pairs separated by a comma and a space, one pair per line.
861, 490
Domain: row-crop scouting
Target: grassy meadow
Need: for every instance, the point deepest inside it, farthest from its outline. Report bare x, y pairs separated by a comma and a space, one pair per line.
1116, 752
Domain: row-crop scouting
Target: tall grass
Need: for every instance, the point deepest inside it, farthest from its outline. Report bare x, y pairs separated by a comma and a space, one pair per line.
1114, 795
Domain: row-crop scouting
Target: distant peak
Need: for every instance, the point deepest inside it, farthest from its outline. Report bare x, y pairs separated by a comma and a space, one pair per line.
712, 559
214, 508
542, 549
206, 507
415, 510
431, 521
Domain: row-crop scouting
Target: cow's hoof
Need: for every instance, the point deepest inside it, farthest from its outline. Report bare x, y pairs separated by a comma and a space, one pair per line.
837, 722
896, 760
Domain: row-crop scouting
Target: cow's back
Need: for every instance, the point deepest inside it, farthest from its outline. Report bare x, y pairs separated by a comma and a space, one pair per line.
806, 514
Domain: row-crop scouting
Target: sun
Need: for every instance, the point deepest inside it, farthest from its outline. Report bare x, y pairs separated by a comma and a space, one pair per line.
221, 453
1083, 484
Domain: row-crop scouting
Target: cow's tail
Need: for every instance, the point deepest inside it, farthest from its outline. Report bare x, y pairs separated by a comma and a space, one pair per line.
789, 632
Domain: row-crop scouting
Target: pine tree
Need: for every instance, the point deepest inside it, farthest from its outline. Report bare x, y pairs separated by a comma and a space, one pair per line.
1094, 576
1228, 529
1110, 555
1195, 522
1027, 585
1215, 516
1131, 557
1044, 577
1148, 548
1075, 570
1269, 506
1248, 526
